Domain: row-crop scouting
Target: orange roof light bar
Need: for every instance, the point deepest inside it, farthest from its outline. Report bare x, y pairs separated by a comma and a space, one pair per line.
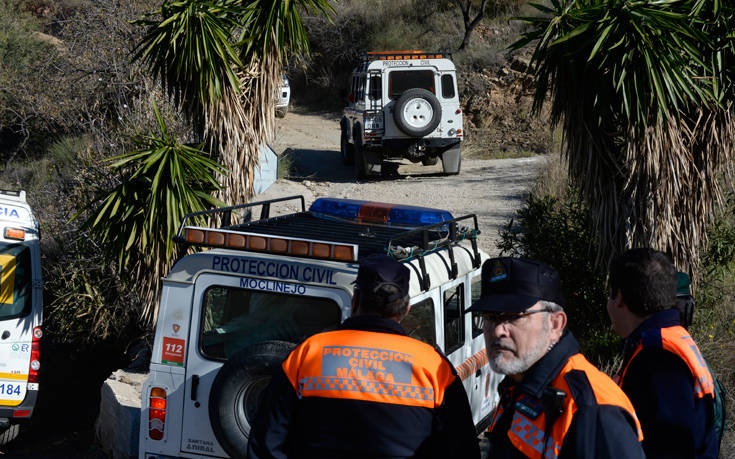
281, 245
404, 55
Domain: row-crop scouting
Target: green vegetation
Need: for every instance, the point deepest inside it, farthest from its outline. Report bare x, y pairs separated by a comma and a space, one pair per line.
643, 93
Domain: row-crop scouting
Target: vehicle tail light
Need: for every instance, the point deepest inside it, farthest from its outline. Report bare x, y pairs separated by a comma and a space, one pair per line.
35, 364
157, 413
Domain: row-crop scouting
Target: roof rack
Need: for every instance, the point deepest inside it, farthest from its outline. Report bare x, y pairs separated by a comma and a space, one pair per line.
342, 240
404, 55
451, 233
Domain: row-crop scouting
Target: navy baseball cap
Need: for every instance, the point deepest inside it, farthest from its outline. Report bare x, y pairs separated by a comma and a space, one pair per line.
515, 284
378, 270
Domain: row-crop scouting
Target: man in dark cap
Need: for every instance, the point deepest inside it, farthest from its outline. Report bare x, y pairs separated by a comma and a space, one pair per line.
663, 372
366, 389
553, 402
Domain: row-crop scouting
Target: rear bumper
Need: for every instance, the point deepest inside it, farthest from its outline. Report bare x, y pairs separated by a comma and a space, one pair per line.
20, 413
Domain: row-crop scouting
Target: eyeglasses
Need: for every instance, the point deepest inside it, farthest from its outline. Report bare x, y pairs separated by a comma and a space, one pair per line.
493, 319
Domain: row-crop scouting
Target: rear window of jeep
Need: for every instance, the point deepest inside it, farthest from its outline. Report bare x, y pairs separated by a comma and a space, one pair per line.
401, 80
235, 318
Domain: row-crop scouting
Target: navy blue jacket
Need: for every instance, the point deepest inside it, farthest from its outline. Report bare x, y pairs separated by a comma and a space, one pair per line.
598, 431
675, 423
287, 426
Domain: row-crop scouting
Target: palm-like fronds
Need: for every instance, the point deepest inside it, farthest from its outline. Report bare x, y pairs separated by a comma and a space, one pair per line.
165, 180
643, 92
190, 50
222, 62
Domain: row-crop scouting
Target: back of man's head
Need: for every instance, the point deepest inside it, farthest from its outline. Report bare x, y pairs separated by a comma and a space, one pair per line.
646, 279
382, 286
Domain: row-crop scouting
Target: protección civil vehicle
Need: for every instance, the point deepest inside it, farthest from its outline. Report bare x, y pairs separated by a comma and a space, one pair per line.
21, 312
230, 313
402, 104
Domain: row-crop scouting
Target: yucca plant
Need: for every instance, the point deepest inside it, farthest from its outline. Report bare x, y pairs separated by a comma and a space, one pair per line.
643, 91
222, 63
161, 182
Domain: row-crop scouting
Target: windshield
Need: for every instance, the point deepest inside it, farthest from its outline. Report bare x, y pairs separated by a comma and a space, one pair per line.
235, 318
15, 280
401, 80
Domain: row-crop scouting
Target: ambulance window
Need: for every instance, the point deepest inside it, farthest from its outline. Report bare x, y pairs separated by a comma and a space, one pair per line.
15, 280
476, 318
453, 318
419, 323
235, 318
447, 87
401, 80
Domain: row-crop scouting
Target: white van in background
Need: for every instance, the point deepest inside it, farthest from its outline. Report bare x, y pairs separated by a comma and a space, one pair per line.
283, 97
21, 311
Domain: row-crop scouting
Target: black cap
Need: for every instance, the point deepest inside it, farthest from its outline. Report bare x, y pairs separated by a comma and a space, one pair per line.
378, 270
515, 284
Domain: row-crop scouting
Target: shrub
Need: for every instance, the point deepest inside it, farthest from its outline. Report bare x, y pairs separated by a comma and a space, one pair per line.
554, 226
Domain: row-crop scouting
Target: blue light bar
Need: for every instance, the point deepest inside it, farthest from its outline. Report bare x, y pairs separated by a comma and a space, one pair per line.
379, 212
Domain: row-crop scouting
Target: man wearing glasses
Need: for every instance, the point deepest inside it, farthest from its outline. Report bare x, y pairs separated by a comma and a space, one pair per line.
553, 402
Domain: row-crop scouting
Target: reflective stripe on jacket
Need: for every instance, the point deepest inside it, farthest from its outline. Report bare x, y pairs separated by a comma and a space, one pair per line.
564, 407
365, 390
677, 340
375, 367
528, 432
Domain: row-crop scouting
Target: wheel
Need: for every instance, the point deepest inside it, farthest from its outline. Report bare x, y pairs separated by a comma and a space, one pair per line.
417, 112
346, 148
452, 160
9, 434
237, 390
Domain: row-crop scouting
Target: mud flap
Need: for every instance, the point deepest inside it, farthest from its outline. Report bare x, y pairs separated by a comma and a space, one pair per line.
452, 160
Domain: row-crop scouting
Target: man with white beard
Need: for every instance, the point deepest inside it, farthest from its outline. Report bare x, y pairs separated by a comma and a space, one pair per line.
553, 402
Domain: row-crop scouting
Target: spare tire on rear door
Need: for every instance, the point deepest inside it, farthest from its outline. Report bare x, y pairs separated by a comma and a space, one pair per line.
417, 112
237, 390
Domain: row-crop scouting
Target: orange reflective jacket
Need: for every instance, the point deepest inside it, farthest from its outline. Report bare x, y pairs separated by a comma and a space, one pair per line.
677, 340
369, 366
529, 432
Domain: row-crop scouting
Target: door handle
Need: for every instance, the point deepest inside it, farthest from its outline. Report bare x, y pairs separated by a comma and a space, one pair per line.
194, 386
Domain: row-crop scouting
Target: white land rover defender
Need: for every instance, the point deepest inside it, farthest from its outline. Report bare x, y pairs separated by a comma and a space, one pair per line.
21, 309
403, 104
229, 315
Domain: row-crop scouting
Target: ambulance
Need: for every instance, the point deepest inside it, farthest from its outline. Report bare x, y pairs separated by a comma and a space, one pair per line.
21, 305
231, 312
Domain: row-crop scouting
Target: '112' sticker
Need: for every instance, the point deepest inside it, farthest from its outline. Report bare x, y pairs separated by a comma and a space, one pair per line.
173, 351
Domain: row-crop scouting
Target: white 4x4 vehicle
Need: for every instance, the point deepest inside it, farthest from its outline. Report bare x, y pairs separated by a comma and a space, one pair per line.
21, 308
229, 315
403, 104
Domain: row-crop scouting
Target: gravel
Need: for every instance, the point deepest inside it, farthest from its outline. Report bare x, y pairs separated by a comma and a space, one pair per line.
492, 189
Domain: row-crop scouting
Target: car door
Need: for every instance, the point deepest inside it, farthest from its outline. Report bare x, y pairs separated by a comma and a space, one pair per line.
484, 390
18, 317
230, 313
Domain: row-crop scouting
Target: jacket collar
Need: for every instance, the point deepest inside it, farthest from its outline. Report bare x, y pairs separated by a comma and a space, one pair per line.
661, 319
540, 375
373, 324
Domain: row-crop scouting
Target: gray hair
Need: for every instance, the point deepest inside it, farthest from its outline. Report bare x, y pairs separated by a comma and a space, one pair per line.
551, 305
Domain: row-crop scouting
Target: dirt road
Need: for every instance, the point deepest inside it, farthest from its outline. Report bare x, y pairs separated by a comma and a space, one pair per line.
492, 189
